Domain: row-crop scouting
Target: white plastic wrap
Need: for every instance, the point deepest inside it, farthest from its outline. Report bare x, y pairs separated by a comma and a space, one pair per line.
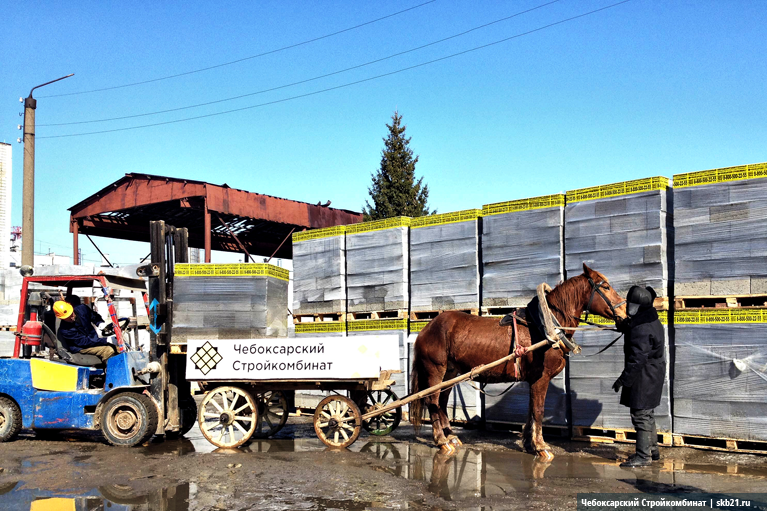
389, 327
721, 237
624, 236
229, 307
593, 402
512, 407
444, 263
377, 265
720, 380
522, 246
319, 271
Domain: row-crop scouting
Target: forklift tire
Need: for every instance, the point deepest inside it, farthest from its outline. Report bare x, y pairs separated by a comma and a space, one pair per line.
129, 419
10, 419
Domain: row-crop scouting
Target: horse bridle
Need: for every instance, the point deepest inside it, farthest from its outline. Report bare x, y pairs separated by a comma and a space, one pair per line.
596, 288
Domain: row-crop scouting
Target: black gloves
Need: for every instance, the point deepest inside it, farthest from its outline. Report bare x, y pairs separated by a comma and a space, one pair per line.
617, 385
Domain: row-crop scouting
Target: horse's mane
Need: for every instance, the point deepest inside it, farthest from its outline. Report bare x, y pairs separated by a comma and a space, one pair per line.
566, 299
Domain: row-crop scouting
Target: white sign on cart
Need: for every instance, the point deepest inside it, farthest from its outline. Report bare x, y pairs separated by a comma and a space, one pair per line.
332, 358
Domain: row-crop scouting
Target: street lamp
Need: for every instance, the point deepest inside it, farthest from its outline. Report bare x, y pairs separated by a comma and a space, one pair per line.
28, 208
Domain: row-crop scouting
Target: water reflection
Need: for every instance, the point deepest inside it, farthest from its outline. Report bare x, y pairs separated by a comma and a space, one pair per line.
114, 497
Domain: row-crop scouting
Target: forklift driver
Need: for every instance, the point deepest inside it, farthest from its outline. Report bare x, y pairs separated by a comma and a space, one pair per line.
78, 332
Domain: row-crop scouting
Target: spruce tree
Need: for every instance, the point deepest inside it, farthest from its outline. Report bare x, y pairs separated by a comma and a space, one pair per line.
395, 191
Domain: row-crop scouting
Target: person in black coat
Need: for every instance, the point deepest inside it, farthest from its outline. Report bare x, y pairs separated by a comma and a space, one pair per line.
643, 374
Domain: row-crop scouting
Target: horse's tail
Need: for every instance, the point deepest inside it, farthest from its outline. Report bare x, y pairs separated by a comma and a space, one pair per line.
416, 407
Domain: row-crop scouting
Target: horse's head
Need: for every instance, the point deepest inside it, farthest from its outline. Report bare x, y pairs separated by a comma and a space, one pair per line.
603, 299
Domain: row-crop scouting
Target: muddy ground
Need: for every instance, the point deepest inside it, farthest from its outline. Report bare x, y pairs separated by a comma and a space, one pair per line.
296, 471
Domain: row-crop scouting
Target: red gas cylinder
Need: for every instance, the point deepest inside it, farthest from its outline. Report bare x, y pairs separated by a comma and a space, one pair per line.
32, 333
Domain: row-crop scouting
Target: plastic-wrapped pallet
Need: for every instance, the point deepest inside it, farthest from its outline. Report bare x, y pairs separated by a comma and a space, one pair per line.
593, 402
512, 407
521, 247
229, 301
444, 262
388, 326
325, 329
319, 271
621, 230
720, 224
720, 373
377, 265
464, 403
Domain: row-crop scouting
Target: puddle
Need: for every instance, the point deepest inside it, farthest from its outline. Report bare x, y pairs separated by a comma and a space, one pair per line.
113, 497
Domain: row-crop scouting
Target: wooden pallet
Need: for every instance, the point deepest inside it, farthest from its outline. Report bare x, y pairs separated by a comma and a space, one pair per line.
318, 317
548, 429
718, 302
721, 444
431, 314
7, 328
613, 435
498, 311
394, 314
661, 303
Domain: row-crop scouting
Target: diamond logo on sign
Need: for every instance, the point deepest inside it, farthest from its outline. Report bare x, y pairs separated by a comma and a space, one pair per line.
206, 358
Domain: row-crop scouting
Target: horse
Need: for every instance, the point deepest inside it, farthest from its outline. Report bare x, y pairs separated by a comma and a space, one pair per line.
454, 343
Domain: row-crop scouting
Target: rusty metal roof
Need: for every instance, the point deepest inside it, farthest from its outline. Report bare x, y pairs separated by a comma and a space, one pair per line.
123, 209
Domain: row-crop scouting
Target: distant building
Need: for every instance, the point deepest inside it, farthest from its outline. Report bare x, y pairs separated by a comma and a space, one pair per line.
6, 174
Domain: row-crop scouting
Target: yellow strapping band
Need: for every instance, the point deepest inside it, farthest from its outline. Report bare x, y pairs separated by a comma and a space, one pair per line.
545, 201
368, 325
616, 189
417, 326
378, 225
231, 270
720, 316
321, 327
707, 177
599, 320
314, 234
445, 218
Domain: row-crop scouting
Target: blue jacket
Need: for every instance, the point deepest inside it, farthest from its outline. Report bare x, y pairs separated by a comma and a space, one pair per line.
80, 333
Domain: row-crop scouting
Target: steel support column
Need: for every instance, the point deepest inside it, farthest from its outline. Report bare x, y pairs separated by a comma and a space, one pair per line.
75, 242
208, 233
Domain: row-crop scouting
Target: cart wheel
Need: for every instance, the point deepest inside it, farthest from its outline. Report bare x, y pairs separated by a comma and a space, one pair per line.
272, 412
385, 423
228, 416
10, 419
337, 421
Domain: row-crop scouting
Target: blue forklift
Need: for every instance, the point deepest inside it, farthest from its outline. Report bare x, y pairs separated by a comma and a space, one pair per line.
45, 387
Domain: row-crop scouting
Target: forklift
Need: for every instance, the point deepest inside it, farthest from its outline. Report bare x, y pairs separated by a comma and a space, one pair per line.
131, 397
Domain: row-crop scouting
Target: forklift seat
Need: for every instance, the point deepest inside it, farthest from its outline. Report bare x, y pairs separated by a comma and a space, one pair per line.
77, 359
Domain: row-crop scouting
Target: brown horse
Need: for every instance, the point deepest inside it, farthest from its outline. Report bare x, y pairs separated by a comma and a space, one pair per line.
455, 342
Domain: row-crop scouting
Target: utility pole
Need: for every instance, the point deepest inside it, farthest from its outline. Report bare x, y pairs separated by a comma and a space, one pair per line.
28, 207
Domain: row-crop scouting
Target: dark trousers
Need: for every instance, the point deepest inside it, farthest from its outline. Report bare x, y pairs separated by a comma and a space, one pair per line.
644, 422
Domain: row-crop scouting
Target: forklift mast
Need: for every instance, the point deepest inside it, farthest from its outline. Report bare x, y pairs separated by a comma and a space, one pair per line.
169, 387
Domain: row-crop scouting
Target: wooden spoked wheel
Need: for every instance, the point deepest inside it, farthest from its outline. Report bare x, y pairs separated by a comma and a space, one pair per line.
386, 422
272, 413
337, 421
228, 416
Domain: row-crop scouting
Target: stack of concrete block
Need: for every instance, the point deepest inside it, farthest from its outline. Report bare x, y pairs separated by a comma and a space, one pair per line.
444, 261
593, 402
397, 327
464, 403
319, 271
720, 373
512, 406
377, 265
229, 301
334, 331
720, 222
621, 230
522, 246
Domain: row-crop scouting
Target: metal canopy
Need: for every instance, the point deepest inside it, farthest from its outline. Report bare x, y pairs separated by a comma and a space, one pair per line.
213, 214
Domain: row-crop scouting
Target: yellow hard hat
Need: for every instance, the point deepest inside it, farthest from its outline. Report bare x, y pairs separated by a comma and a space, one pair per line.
62, 309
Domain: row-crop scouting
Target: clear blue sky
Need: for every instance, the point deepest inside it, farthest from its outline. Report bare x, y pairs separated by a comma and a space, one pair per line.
645, 88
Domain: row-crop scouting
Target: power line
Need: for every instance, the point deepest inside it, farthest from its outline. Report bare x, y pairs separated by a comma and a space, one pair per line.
476, 48
270, 52
358, 66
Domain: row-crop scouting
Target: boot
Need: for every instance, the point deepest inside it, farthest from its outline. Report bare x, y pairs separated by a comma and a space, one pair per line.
643, 456
654, 442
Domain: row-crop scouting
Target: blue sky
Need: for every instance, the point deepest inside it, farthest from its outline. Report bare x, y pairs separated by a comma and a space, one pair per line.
641, 89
